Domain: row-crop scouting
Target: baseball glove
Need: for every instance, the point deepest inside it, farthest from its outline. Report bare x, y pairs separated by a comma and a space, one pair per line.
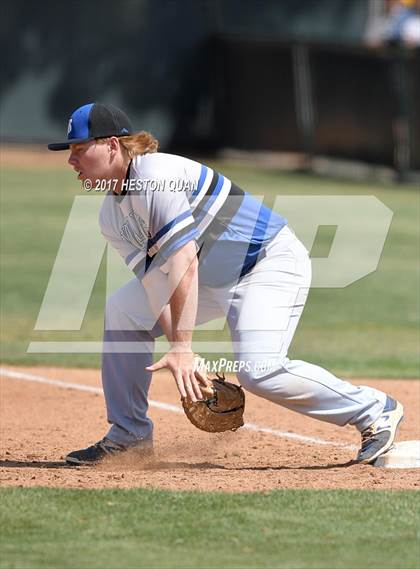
221, 409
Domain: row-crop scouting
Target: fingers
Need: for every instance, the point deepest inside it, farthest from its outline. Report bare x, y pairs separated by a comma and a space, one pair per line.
186, 379
158, 365
189, 386
195, 386
201, 377
180, 384
199, 369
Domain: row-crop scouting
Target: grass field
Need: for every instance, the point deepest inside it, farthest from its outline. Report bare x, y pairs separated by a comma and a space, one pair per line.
152, 529
369, 328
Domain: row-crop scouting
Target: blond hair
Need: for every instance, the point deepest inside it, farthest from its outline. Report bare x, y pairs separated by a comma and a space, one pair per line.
140, 143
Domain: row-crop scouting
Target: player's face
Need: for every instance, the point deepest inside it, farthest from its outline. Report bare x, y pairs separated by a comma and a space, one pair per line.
90, 160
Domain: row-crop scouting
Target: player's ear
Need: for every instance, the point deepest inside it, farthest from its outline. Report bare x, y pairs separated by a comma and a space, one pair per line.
113, 144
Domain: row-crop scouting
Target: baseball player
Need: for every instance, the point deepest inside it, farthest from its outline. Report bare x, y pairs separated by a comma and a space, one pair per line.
201, 248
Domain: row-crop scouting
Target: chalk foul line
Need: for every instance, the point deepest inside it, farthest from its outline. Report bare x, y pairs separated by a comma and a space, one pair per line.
172, 408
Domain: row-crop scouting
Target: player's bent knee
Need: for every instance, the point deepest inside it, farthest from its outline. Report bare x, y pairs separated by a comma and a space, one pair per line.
248, 384
254, 378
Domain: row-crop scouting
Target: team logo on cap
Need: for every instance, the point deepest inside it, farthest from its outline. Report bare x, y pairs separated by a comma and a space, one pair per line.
69, 126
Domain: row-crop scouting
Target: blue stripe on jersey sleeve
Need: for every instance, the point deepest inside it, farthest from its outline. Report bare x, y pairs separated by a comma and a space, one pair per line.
131, 256
141, 267
200, 215
175, 245
167, 227
203, 175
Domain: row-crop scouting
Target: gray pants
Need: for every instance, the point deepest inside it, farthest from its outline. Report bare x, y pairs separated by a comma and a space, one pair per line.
262, 312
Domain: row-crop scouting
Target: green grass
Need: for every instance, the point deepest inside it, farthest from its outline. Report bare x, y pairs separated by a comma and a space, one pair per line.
370, 328
154, 529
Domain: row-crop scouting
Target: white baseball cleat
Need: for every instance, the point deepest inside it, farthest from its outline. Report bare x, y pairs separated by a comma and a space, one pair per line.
379, 437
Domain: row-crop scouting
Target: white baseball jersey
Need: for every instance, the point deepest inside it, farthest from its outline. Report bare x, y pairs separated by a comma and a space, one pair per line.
169, 200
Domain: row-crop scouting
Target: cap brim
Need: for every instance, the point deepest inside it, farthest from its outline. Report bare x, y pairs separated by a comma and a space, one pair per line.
66, 145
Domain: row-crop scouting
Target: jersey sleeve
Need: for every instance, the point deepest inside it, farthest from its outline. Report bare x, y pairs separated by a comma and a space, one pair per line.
171, 223
164, 205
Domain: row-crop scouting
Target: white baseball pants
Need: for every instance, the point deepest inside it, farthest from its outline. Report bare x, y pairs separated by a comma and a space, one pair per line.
262, 311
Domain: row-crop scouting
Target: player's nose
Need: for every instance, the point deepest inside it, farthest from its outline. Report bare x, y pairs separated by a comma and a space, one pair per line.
72, 161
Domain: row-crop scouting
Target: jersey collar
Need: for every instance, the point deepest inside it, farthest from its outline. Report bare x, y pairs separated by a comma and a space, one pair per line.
120, 197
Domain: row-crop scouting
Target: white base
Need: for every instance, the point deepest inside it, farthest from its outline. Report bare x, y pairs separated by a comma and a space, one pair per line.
401, 455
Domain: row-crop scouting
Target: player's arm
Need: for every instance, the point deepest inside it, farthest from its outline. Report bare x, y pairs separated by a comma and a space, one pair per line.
183, 280
165, 322
178, 316
172, 248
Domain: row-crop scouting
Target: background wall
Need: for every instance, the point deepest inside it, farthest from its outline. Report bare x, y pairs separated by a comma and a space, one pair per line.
203, 75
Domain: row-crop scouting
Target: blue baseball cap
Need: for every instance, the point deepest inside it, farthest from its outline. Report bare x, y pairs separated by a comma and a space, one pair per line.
94, 120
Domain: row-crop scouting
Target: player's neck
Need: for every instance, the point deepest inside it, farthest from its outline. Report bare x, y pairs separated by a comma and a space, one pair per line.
122, 174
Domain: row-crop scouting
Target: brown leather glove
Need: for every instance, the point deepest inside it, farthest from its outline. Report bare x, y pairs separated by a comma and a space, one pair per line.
221, 409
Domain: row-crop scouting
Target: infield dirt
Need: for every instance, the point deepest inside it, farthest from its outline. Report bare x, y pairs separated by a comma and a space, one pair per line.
40, 423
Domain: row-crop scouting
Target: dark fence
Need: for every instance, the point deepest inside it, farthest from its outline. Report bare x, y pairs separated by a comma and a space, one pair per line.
207, 75
345, 102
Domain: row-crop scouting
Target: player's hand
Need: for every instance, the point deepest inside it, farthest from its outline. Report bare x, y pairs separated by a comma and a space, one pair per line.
181, 363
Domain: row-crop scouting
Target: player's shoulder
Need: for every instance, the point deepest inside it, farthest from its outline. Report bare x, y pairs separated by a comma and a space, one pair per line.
163, 165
